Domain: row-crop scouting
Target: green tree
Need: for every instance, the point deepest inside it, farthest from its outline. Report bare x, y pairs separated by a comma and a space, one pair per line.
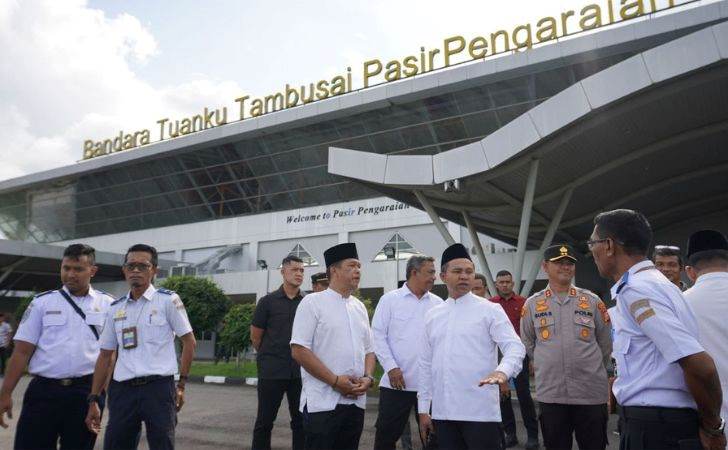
205, 302
235, 334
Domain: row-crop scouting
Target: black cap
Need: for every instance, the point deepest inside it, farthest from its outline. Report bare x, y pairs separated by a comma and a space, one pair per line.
340, 252
560, 251
455, 251
318, 277
705, 240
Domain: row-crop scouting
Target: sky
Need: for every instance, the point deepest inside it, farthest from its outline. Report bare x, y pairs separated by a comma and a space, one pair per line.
72, 70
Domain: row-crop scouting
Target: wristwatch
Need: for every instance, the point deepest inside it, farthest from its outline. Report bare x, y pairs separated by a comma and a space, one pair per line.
92, 398
371, 378
718, 431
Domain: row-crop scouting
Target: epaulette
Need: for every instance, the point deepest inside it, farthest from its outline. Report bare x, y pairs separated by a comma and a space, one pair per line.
118, 300
166, 291
44, 293
103, 292
588, 292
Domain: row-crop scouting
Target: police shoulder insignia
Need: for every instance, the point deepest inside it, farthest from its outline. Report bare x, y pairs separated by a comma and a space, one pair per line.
523, 310
26, 314
165, 291
120, 299
177, 302
603, 309
43, 293
572, 292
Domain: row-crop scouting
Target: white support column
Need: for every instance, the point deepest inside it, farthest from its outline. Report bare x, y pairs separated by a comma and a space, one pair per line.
434, 217
481, 255
547, 239
525, 222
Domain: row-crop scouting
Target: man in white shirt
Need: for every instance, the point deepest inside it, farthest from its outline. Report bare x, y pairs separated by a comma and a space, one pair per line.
6, 332
707, 254
459, 369
331, 340
398, 331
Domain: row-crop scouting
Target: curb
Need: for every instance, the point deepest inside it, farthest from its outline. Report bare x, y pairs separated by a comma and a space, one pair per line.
211, 379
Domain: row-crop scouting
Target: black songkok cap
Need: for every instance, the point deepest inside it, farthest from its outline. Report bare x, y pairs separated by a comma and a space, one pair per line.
340, 252
455, 251
705, 240
557, 252
317, 277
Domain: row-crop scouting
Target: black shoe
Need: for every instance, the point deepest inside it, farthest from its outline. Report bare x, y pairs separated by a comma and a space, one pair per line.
511, 441
532, 443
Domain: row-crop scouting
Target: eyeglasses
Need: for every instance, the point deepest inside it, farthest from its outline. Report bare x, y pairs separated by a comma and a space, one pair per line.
141, 267
592, 242
667, 247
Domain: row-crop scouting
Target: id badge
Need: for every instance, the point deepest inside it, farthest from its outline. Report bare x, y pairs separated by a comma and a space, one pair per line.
129, 338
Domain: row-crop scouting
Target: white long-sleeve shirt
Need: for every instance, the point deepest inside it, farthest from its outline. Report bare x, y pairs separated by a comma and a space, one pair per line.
460, 348
398, 331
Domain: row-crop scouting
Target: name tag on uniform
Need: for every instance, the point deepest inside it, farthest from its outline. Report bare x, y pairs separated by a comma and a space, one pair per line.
129, 338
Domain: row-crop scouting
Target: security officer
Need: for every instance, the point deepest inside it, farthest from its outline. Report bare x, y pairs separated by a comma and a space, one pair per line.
142, 325
567, 336
667, 385
319, 282
59, 335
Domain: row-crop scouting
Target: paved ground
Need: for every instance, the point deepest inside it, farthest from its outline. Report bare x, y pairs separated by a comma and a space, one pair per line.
221, 417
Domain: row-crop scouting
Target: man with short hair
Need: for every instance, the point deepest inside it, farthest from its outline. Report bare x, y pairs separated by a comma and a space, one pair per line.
667, 385
480, 286
461, 341
278, 373
707, 254
58, 339
142, 325
6, 332
512, 304
568, 338
331, 340
398, 332
668, 260
319, 282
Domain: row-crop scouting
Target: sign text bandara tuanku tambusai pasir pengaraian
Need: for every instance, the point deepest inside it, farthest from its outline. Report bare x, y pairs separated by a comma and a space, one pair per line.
454, 50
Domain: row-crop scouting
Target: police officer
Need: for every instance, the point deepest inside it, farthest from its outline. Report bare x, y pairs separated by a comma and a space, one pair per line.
567, 336
142, 325
319, 282
667, 385
58, 334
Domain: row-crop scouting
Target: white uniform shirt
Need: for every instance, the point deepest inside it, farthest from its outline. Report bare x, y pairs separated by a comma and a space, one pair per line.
336, 330
5, 331
158, 315
709, 300
653, 329
65, 346
461, 344
398, 331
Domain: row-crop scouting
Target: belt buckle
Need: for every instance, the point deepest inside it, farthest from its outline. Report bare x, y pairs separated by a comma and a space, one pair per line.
65, 381
140, 381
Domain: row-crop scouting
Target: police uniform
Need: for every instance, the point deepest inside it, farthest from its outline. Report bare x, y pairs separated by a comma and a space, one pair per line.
653, 329
142, 389
568, 338
66, 349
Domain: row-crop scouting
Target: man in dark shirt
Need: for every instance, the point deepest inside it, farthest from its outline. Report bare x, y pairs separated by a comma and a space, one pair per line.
278, 373
513, 304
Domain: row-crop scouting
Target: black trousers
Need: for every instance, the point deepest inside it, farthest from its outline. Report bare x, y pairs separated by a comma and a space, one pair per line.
460, 435
4, 353
152, 403
649, 428
588, 422
270, 395
338, 429
394, 410
52, 412
528, 410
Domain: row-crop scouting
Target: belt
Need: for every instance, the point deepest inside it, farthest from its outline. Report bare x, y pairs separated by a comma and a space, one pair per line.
141, 381
86, 379
658, 414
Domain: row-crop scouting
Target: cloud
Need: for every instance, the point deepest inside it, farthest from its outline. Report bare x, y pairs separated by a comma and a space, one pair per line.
72, 77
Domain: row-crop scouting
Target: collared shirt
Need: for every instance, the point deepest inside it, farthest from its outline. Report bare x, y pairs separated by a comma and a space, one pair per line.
462, 338
653, 328
274, 313
336, 330
158, 316
708, 299
512, 306
5, 331
65, 346
569, 340
398, 331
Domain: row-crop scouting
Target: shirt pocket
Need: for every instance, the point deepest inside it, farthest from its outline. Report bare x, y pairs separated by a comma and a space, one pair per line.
544, 328
159, 329
54, 320
399, 324
620, 348
95, 318
584, 328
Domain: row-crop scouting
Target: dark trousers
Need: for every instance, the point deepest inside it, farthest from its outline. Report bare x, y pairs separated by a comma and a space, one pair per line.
152, 403
528, 410
52, 412
394, 410
270, 395
588, 422
4, 352
338, 429
460, 435
648, 428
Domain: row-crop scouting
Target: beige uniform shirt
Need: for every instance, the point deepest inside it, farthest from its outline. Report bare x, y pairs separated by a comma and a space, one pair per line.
569, 341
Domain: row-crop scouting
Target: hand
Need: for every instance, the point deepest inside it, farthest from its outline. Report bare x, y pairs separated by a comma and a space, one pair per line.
611, 400
180, 400
6, 406
344, 385
496, 377
426, 427
362, 386
396, 378
712, 442
505, 390
93, 418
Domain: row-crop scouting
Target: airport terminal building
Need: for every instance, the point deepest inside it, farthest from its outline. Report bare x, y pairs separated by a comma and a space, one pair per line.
505, 154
